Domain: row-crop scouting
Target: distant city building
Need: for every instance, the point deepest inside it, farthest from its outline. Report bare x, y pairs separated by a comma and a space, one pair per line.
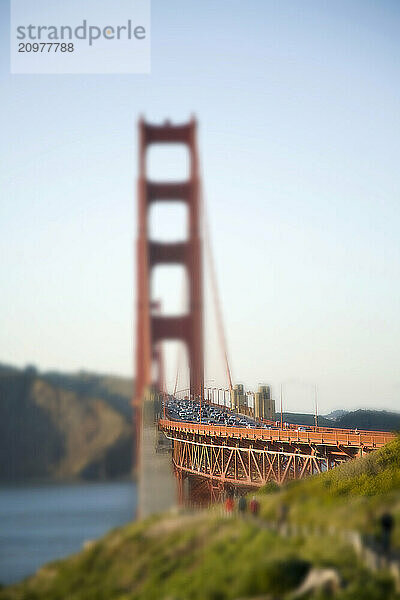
264, 406
238, 398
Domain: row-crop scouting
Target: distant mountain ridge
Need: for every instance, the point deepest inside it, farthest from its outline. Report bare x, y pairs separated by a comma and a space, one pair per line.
336, 414
59, 426
372, 420
116, 391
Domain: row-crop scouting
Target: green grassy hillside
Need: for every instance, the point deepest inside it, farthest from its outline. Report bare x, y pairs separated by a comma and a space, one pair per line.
350, 496
208, 556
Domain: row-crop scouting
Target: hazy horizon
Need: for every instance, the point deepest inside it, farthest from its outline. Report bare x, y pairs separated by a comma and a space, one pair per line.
298, 107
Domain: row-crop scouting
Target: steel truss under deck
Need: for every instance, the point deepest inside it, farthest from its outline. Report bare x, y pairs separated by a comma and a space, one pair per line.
247, 465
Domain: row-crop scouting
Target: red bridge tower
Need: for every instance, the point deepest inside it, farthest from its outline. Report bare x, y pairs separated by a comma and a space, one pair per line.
154, 328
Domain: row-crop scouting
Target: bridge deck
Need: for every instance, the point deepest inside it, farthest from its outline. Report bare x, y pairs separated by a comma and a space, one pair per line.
368, 440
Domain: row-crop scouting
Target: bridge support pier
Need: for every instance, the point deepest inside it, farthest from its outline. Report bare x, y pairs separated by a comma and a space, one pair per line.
180, 487
157, 489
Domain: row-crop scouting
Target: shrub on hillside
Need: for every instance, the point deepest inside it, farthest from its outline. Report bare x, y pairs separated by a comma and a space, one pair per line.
270, 488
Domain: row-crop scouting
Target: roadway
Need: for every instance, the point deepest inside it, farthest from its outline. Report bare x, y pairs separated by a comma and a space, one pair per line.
218, 421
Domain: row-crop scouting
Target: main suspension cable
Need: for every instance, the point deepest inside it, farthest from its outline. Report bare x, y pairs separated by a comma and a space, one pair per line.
215, 291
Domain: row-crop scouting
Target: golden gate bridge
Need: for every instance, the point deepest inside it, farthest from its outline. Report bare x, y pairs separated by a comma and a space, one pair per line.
239, 444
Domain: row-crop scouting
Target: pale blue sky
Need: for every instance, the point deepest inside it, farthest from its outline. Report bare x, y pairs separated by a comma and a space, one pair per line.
299, 110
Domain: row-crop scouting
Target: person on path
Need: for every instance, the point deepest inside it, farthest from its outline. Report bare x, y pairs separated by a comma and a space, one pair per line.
254, 507
229, 505
242, 505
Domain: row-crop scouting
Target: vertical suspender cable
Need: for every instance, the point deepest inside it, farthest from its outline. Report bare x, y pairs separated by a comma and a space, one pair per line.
179, 350
177, 372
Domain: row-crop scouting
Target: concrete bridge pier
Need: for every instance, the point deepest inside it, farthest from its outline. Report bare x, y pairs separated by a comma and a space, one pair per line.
157, 485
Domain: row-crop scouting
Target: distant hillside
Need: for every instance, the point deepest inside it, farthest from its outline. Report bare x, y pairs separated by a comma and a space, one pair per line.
305, 419
57, 426
336, 414
116, 391
373, 420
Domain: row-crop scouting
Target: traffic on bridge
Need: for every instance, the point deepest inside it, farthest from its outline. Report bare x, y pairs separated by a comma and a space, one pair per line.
195, 411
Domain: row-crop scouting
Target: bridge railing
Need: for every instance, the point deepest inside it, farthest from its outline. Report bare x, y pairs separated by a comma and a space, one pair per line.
323, 429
